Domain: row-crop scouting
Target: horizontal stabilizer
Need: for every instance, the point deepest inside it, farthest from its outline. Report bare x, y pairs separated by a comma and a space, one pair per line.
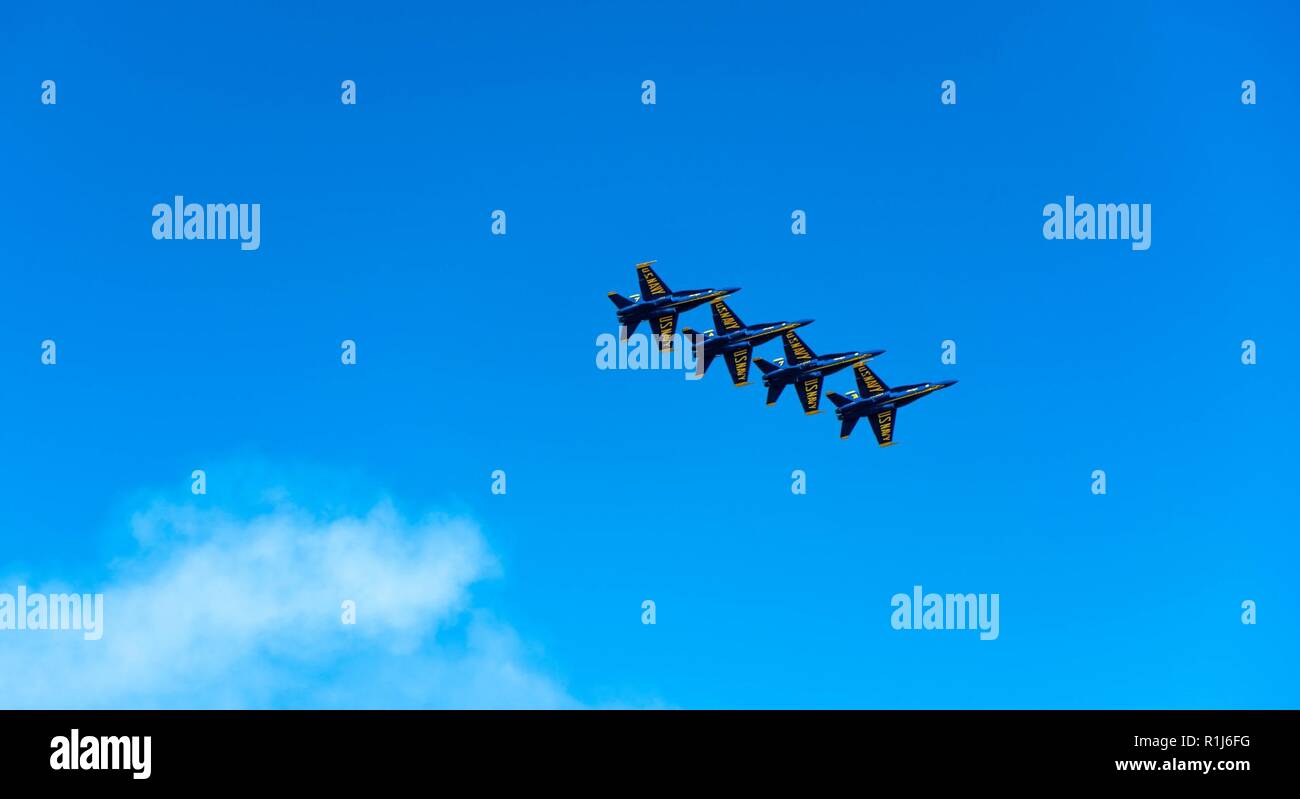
839, 399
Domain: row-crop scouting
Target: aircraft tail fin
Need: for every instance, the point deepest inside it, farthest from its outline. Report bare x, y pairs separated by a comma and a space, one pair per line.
847, 425
766, 365
619, 300
839, 399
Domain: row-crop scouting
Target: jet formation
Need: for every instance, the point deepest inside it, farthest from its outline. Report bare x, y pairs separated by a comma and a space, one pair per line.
800, 367
659, 304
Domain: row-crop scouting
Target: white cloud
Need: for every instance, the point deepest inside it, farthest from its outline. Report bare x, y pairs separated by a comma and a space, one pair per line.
221, 611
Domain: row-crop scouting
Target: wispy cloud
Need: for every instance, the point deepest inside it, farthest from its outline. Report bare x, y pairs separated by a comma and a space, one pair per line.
222, 610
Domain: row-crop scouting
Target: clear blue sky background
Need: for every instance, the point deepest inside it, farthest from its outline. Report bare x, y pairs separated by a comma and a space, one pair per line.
477, 352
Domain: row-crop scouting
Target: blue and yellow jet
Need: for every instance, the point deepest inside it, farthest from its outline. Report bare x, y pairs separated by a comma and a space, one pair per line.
736, 340
878, 402
806, 369
659, 304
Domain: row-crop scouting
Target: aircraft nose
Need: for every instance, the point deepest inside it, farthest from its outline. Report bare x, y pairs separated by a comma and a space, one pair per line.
730, 291
875, 353
803, 322
947, 383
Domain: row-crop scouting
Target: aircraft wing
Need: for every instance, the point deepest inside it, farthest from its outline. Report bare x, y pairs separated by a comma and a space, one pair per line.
725, 319
738, 365
868, 384
795, 350
651, 285
665, 325
882, 424
810, 393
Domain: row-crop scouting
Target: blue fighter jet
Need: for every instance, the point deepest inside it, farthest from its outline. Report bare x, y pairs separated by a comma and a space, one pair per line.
659, 304
878, 402
805, 369
736, 340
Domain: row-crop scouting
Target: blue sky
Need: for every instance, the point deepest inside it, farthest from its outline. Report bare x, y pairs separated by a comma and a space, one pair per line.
477, 352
